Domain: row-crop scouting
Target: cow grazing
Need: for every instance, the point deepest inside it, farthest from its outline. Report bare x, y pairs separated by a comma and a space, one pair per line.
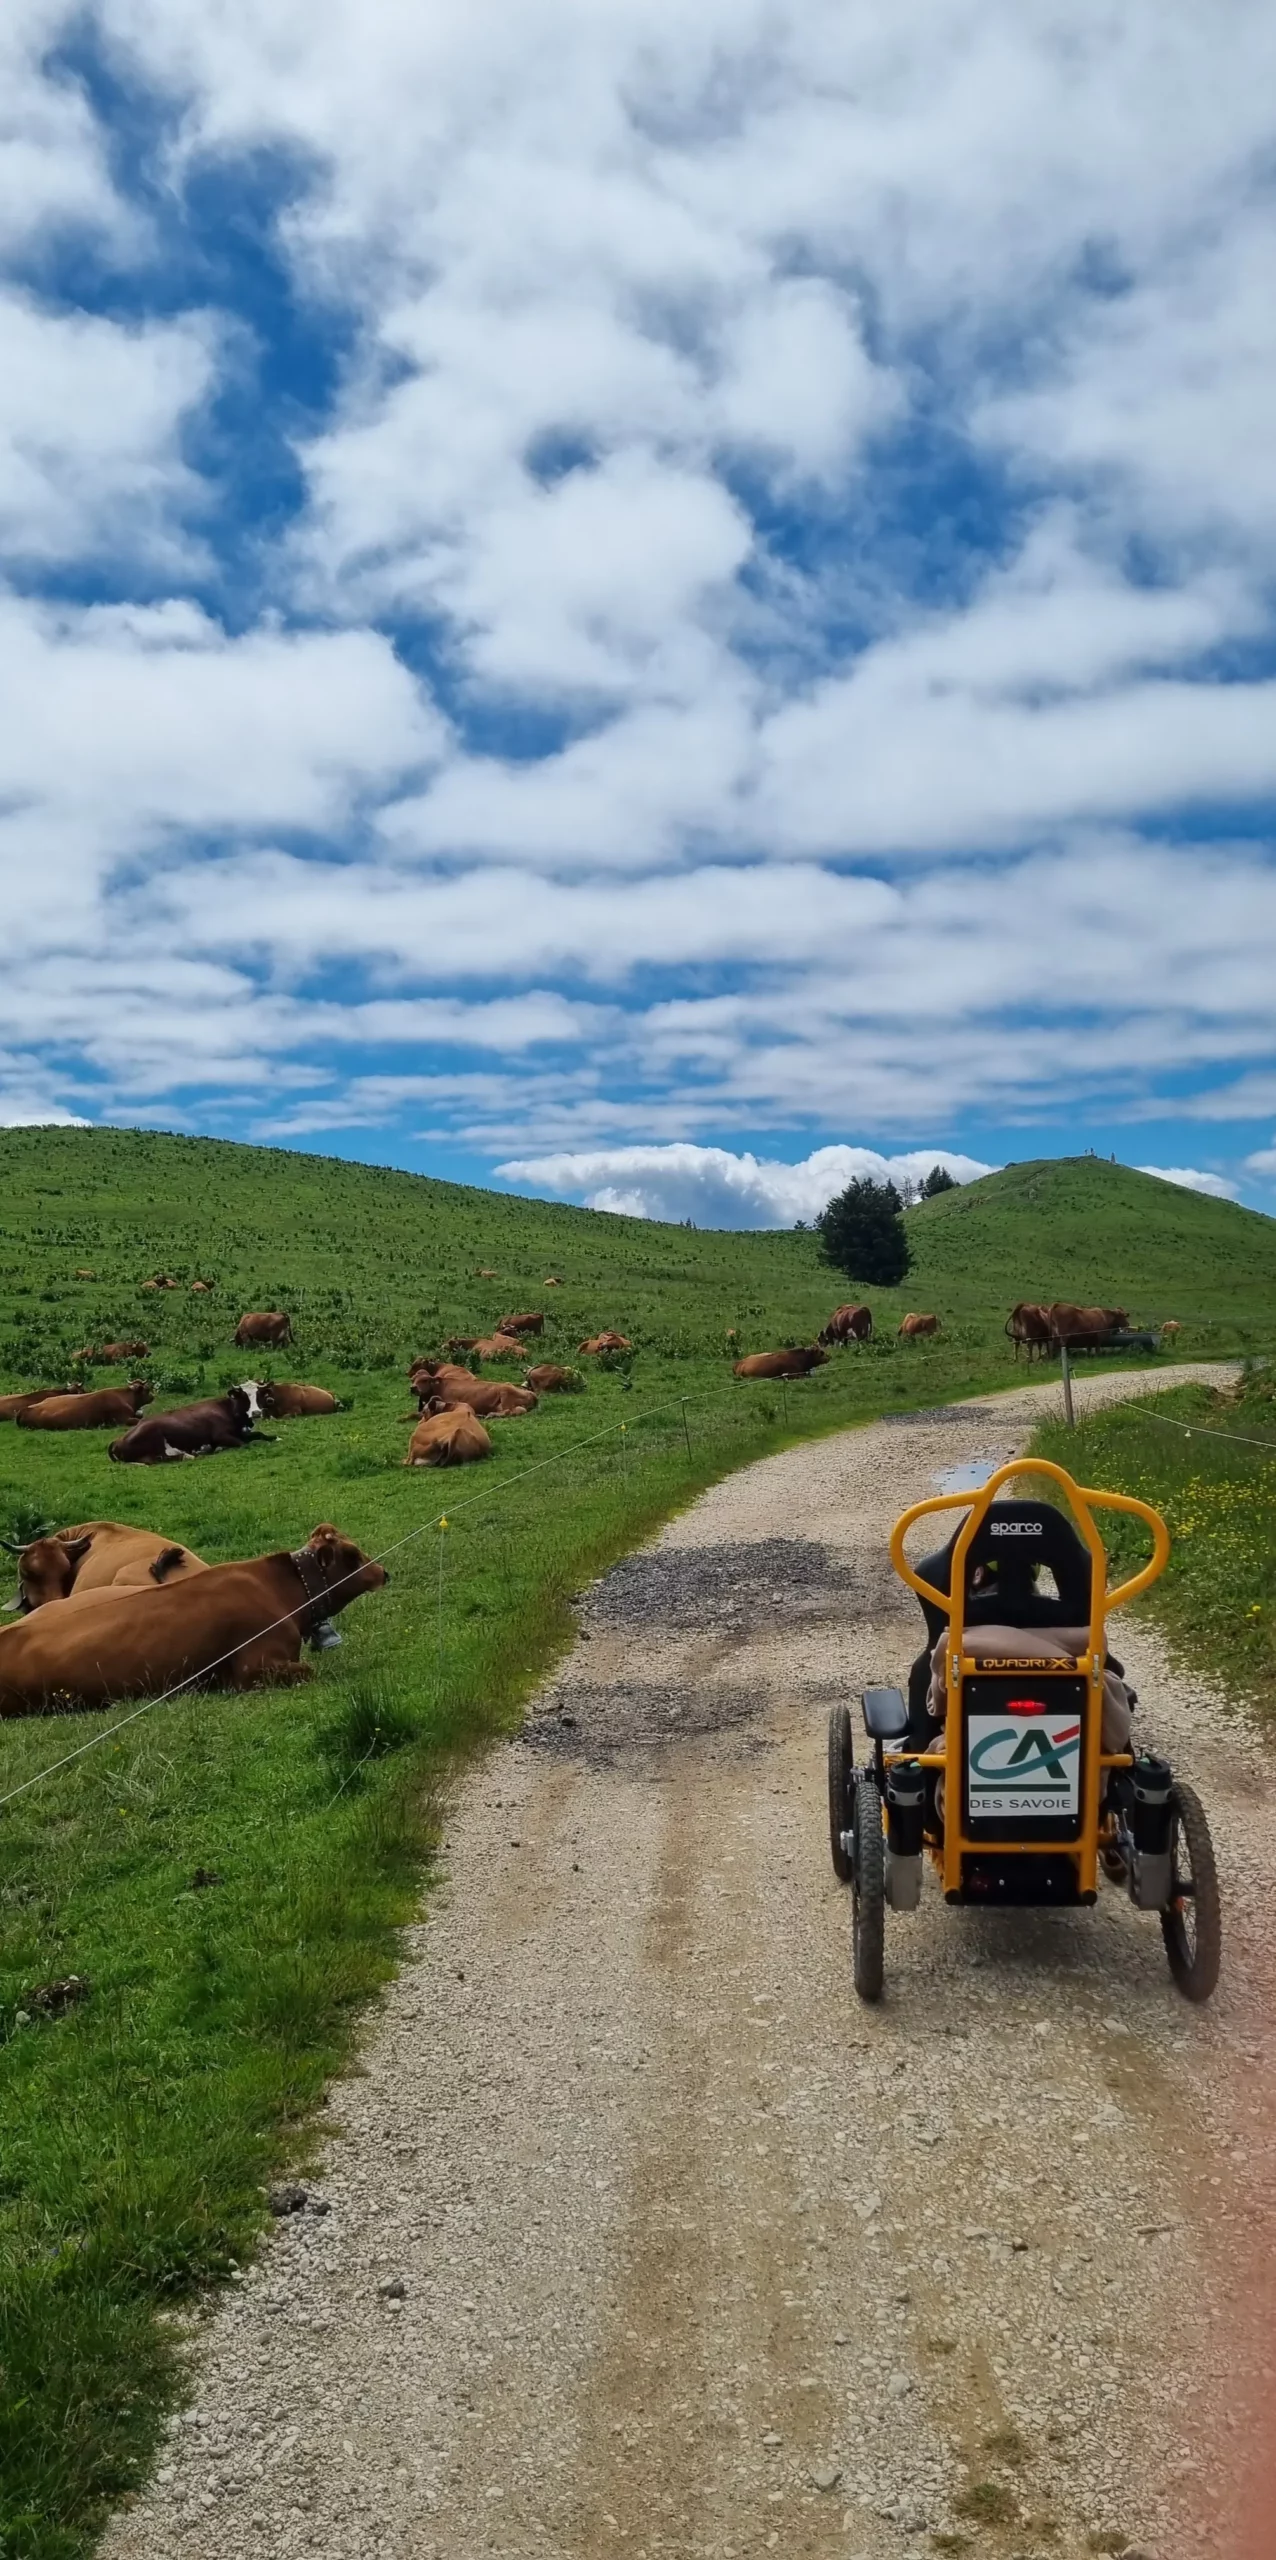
192, 1430
912, 1326
447, 1436
273, 1329
86, 1275
87, 1409
848, 1324
234, 1626
98, 1555
284, 1399
1171, 1325
12, 1407
797, 1363
484, 1396
546, 1380
533, 1322
605, 1342
1028, 1327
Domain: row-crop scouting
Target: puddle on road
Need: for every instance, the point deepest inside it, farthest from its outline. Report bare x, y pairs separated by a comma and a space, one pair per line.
969, 1477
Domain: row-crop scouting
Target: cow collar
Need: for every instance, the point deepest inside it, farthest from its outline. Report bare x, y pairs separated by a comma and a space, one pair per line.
311, 1577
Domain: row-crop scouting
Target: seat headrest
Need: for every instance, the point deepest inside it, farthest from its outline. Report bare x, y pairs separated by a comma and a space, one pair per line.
1012, 1540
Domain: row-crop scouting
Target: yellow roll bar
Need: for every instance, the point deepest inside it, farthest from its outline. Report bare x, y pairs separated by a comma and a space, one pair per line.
1080, 1499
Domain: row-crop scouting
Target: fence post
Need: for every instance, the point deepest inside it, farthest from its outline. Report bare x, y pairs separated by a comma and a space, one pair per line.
1066, 1368
784, 1390
686, 1428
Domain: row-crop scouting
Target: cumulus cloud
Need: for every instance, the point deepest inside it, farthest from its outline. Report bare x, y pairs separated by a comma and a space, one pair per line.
761, 524
1215, 1186
715, 1188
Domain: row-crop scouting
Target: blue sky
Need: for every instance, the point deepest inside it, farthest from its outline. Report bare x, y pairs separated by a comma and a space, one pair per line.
614, 599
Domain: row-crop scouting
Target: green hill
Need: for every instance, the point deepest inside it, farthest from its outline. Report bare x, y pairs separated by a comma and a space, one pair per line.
374, 1264
1099, 1234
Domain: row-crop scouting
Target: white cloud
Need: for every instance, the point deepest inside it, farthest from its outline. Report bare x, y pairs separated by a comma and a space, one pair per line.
89, 418
715, 1188
1214, 1185
1263, 1161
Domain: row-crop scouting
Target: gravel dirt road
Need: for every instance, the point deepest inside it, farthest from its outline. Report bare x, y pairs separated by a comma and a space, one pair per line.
640, 2235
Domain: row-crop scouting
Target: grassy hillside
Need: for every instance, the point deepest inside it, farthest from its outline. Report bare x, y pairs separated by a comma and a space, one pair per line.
1100, 1234
141, 2124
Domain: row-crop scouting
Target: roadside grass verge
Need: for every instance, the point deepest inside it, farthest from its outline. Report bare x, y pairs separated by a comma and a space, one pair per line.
1217, 1597
228, 1875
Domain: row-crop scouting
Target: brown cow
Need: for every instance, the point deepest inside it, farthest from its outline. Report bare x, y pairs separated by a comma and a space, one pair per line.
848, 1324
109, 1355
484, 1396
483, 1274
797, 1363
201, 1288
274, 1329
460, 1342
86, 1275
282, 1399
87, 1408
549, 1381
913, 1325
551, 1284
234, 1626
527, 1323
1082, 1328
606, 1342
161, 1281
11, 1407
499, 1346
424, 1374
446, 1436
96, 1556
1171, 1325
1028, 1327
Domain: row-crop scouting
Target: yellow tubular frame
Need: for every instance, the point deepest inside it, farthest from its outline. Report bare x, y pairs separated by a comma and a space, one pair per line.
1085, 1851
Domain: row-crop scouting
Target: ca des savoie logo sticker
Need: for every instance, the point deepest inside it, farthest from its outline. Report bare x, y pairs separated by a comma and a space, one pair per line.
1021, 1765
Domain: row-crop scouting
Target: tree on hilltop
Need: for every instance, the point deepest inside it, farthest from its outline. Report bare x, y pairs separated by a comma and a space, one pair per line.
863, 1234
938, 1179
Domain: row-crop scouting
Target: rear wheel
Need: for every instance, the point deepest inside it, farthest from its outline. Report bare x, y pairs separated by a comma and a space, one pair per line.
1192, 1921
868, 1892
841, 1785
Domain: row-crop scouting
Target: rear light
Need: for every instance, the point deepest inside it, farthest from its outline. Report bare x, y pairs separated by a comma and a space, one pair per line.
1026, 1707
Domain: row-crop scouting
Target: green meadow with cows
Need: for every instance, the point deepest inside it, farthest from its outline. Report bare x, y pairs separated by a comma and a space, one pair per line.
194, 1911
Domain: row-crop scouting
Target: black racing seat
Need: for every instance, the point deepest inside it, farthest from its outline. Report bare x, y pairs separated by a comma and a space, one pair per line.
1013, 1541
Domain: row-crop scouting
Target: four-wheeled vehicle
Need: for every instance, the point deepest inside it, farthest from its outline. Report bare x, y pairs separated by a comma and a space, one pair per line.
1009, 1764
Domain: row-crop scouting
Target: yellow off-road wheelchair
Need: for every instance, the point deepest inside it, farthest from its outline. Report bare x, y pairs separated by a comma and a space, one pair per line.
1009, 1763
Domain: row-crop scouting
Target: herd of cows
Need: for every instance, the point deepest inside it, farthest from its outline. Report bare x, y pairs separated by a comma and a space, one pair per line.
107, 1612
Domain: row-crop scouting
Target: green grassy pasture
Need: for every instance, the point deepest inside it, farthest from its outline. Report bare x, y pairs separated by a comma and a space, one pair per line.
140, 2127
1217, 1495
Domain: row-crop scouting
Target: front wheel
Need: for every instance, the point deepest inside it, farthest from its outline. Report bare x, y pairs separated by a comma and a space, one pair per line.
1192, 1921
841, 1786
868, 1892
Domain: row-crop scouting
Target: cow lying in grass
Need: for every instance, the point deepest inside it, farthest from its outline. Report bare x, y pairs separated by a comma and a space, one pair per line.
13, 1407
284, 1399
193, 1430
86, 1409
796, 1363
447, 1436
99, 1555
546, 1380
605, 1342
234, 1626
484, 1396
